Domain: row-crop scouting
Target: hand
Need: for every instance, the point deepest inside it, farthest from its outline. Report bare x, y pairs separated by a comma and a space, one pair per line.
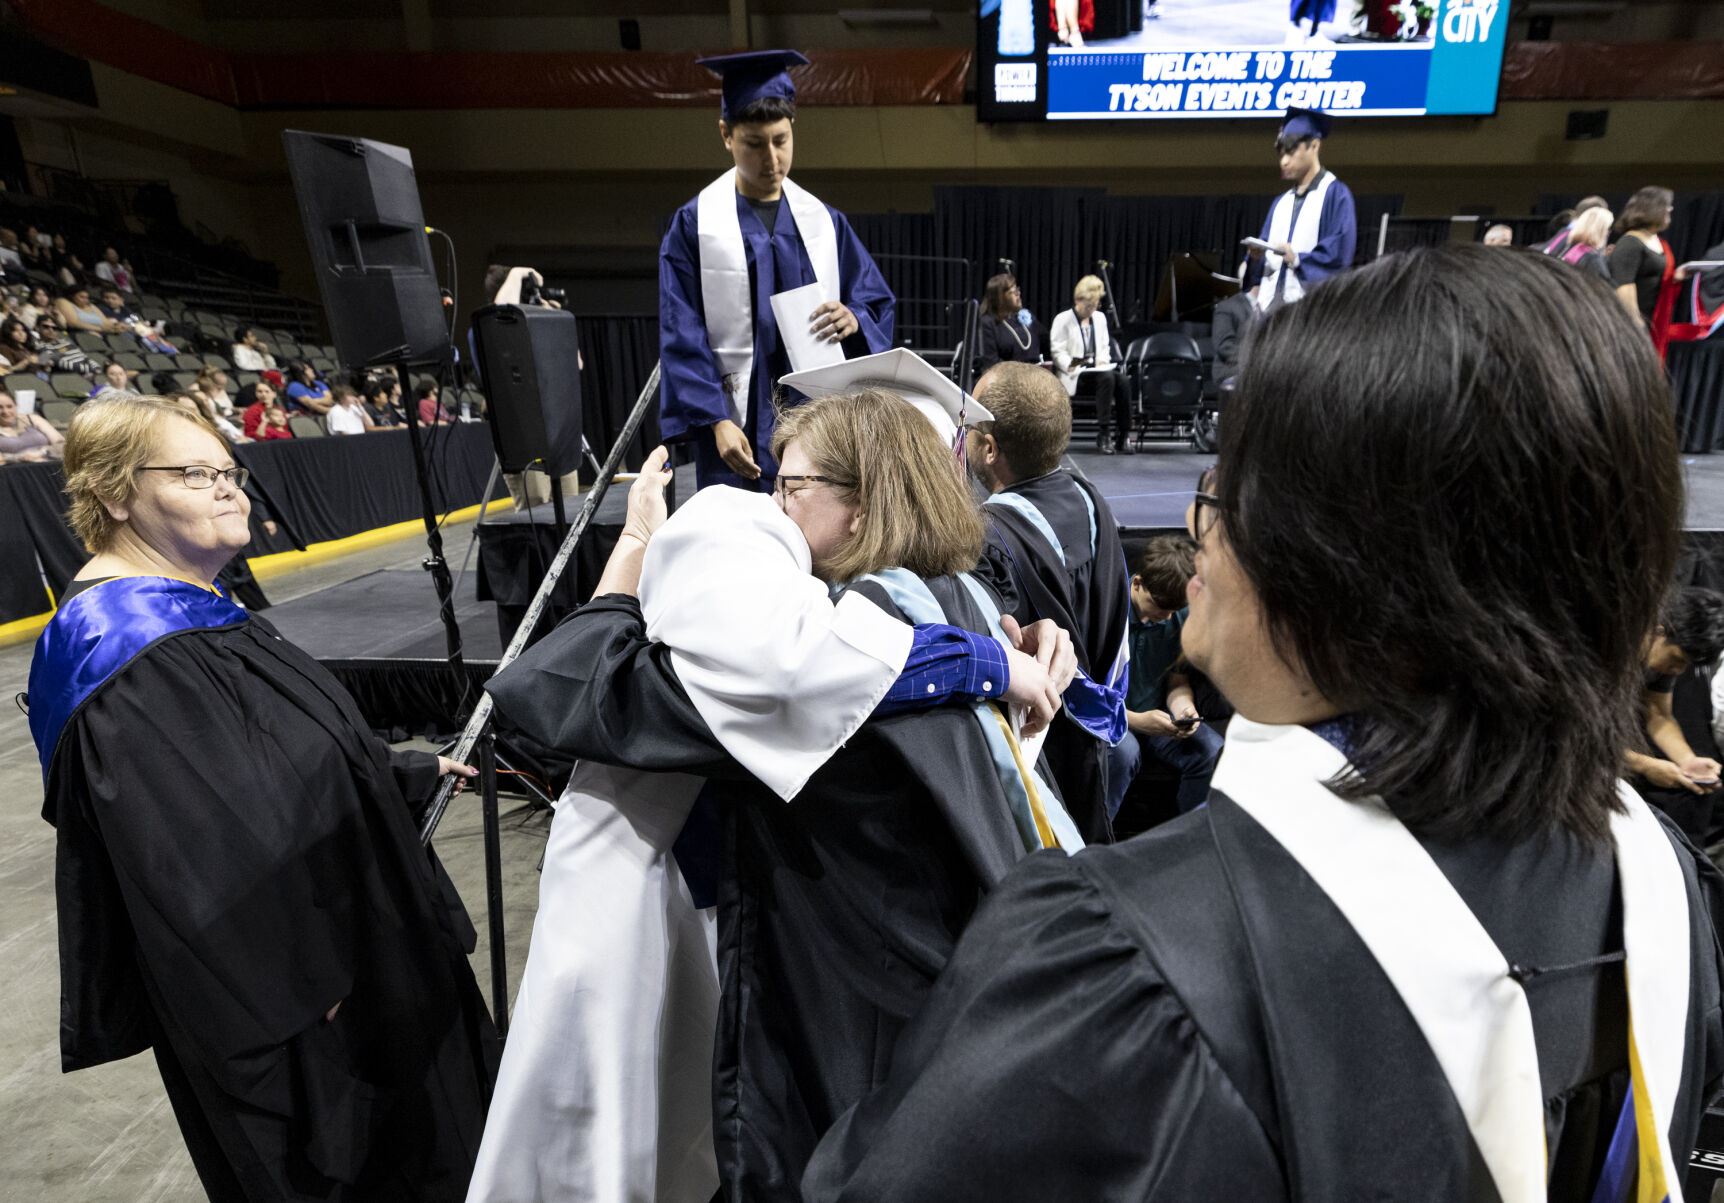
1682, 273
1066, 19
1698, 769
833, 322
1289, 254
1664, 775
1049, 643
1254, 252
1031, 686
647, 510
33, 456
445, 766
269, 527
734, 450
1156, 722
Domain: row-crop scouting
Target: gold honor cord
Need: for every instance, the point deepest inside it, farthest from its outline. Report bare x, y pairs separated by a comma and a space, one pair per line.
1043, 830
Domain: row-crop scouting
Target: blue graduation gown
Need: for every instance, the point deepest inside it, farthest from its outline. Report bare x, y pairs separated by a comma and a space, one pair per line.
691, 399
1338, 237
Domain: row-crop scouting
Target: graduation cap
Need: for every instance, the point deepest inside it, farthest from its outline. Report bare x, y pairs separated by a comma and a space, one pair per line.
904, 372
1300, 124
753, 75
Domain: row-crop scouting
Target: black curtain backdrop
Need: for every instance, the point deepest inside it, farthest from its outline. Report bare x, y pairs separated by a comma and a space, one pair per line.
618, 353
1054, 236
1697, 385
21, 591
38, 492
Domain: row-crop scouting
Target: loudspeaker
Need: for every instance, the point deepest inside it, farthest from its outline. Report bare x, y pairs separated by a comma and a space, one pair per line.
1584, 125
359, 201
529, 362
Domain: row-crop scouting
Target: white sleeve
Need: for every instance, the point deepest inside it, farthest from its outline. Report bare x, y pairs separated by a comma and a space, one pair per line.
781, 675
1060, 340
1718, 706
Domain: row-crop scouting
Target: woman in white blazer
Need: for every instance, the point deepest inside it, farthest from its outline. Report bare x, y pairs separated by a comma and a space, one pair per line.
1082, 351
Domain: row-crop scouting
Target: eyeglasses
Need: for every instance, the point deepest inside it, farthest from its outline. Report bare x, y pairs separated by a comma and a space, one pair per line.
1203, 503
201, 476
803, 482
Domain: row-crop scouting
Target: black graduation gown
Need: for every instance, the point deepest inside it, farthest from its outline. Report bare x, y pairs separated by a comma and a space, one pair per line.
235, 855
1187, 1016
1087, 594
836, 910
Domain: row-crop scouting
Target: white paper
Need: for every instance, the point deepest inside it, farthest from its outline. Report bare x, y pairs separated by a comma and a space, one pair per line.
1695, 265
26, 399
795, 327
1259, 243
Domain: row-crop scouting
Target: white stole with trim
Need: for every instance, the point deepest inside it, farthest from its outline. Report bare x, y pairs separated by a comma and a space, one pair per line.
1447, 970
1301, 236
726, 297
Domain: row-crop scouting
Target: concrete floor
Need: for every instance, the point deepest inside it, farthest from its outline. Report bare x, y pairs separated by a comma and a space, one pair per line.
107, 1135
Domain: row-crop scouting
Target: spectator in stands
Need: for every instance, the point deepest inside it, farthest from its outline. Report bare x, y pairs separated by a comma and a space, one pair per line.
68, 268
206, 408
348, 415
18, 347
305, 392
212, 383
30, 247
25, 438
58, 353
383, 402
38, 304
11, 262
78, 312
1641, 262
1690, 632
431, 409
1083, 357
116, 271
250, 354
115, 382
1005, 330
1159, 707
115, 307
256, 400
1499, 235
1587, 235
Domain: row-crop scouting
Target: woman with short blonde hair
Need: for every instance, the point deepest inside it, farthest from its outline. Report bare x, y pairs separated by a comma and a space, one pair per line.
1088, 289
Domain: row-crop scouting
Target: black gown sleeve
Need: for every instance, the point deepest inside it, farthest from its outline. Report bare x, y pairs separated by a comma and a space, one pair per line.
415, 772
596, 688
987, 344
1052, 1061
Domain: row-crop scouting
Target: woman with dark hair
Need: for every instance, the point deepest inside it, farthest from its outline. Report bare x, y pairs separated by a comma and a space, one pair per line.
1641, 262
18, 347
1422, 943
1005, 330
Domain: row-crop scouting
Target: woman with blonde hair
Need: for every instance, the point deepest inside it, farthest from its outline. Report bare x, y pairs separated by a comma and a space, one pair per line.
867, 790
240, 884
1083, 356
1588, 234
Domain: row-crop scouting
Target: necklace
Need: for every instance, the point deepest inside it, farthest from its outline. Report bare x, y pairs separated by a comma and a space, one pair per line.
1023, 346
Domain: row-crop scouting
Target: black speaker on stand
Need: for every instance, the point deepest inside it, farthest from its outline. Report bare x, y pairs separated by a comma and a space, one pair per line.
530, 362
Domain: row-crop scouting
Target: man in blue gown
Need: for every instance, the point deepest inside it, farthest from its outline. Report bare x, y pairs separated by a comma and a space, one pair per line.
750, 234
1311, 227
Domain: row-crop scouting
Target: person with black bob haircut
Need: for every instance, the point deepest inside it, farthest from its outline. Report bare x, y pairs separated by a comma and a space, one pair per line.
1662, 765
1422, 943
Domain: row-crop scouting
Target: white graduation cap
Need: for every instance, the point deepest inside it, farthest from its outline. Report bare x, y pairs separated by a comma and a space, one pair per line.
903, 372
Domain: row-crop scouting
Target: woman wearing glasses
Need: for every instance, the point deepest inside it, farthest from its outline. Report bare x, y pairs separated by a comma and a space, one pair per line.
1422, 943
240, 884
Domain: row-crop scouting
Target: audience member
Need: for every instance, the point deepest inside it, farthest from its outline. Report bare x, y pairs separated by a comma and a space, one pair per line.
115, 308
305, 392
1499, 235
1586, 238
430, 406
1083, 356
78, 312
25, 438
347, 415
255, 401
30, 247
206, 408
11, 262
250, 354
116, 271
382, 394
212, 382
1053, 552
1391, 959
68, 268
18, 347
38, 304
57, 352
115, 382
1641, 262
1160, 707
1690, 632
1005, 331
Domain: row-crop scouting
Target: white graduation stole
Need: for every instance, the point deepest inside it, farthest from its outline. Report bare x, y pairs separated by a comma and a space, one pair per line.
726, 298
1301, 237
1449, 972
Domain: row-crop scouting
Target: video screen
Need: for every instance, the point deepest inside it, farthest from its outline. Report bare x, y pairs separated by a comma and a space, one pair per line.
1148, 59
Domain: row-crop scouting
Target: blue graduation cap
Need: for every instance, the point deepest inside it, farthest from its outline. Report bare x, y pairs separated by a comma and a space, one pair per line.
752, 75
1300, 124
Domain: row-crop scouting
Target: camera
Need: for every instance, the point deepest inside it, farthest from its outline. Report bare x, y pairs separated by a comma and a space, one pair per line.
533, 293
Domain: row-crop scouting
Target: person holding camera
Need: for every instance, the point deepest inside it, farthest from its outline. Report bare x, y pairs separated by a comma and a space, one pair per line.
1083, 356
